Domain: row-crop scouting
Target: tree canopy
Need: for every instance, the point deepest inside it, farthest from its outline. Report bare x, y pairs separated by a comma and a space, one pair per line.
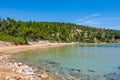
21, 32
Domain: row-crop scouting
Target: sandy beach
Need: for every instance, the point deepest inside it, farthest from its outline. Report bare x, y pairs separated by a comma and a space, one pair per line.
7, 48
11, 70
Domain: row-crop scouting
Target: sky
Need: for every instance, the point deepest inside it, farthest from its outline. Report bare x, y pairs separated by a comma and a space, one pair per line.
94, 13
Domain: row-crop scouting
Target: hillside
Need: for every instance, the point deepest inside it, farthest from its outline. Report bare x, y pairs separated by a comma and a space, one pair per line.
21, 32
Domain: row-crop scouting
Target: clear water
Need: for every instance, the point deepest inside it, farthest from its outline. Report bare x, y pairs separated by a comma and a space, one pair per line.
90, 59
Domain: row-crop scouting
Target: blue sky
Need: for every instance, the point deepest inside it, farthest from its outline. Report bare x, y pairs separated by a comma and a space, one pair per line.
96, 13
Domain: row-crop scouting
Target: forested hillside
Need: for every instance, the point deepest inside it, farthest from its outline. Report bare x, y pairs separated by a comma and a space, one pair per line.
21, 32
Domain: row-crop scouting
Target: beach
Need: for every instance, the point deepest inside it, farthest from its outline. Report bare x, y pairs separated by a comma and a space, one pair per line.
7, 48
12, 70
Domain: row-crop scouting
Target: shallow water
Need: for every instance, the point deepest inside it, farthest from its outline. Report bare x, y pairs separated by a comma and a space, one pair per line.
101, 60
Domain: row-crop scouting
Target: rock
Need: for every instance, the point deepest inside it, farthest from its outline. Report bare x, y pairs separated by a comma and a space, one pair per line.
56, 73
44, 76
1, 57
36, 70
119, 68
15, 64
69, 78
17, 78
4, 57
19, 64
91, 70
47, 70
75, 70
19, 70
7, 78
27, 70
54, 63
112, 76
75, 73
61, 72
60, 78
38, 75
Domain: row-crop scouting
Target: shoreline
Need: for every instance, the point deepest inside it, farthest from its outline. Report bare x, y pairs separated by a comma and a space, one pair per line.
10, 48
13, 70
10, 69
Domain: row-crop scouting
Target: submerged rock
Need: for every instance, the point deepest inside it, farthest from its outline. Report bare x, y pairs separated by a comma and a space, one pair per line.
75, 73
118, 67
75, 70
112, 76
47, 70
91, 70
54, 63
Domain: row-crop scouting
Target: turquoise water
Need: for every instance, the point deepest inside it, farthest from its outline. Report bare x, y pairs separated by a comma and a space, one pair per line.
101, 60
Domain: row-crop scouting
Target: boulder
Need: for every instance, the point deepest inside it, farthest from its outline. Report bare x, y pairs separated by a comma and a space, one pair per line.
28, 70
44, 76
19, 64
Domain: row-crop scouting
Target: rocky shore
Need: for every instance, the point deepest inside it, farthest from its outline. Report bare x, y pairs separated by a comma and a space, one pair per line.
11, 70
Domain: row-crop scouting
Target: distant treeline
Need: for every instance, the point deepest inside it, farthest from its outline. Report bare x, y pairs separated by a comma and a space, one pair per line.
21, 32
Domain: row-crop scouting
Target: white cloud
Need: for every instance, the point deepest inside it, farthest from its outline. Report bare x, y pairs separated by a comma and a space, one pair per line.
88, 22
87, 17
109, 18
79, 20
101, 22
96, 14
95, 21
115, 27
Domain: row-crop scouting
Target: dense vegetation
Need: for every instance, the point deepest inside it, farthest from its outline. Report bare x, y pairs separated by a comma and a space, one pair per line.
22, 32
